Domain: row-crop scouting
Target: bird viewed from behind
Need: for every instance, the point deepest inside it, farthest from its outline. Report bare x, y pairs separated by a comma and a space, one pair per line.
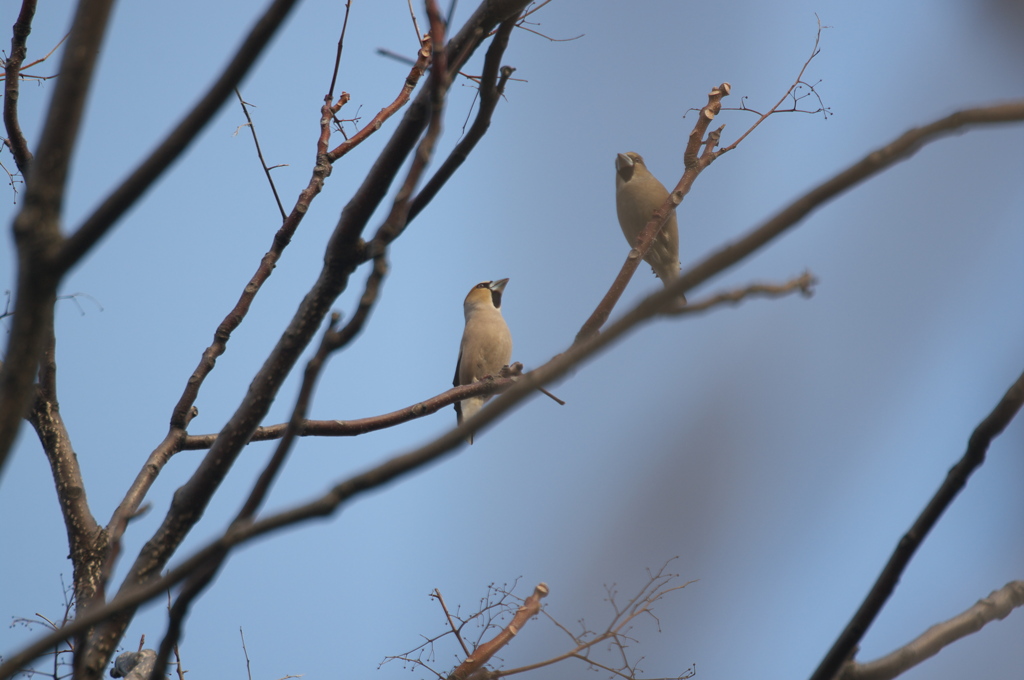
638, 194
486, 343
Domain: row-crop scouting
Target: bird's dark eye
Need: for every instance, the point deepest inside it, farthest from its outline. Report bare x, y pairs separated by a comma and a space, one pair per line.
485, 284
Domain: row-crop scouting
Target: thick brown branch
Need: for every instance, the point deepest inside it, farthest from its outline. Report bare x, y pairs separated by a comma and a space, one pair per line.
956, 479
86, 540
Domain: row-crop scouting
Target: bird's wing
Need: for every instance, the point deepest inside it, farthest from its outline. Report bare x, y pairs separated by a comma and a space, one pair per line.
455, 382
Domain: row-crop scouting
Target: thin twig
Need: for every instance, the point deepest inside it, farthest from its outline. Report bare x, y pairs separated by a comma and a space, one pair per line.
179, 139
40, 60
486, 386
491, 89
796, 83
259, 153
245, 653
451, 624
337, 56
417, 71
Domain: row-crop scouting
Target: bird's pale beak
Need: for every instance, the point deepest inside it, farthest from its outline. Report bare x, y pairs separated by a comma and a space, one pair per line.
623, 162
499, 285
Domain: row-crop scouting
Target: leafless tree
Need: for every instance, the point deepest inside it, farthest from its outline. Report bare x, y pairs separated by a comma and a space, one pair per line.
46, 253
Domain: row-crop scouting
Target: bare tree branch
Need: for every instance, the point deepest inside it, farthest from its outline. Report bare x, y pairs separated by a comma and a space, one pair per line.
451, 623
259, 153
37, 225
492, 87
179, 139
789, 93
483, 653
12, 86
616, 635
419, 67
802, 284
997, 605
586, 645
44, 255
334, 74
349, 428
901, 148
86, 541
133, 593
344, 253
184, 410
956, 479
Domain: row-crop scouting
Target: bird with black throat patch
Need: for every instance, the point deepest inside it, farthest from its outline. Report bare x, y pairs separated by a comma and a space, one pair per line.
486, 343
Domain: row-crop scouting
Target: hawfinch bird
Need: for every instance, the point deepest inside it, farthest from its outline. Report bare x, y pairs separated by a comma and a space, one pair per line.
638, 194
486, 343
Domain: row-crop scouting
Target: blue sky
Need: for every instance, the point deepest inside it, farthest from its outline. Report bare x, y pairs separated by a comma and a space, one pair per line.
779, 448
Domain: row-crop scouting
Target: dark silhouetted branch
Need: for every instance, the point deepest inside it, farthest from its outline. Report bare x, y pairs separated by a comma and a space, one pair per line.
956, 479
12, 86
